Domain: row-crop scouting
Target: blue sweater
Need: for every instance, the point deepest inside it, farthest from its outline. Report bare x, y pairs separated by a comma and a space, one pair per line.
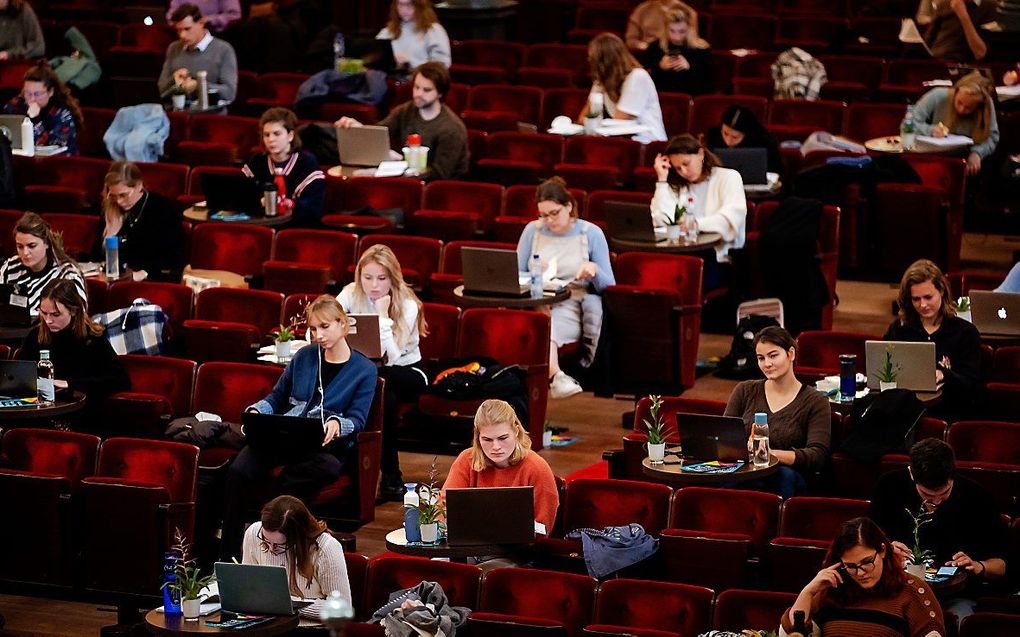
348, 396
598, 250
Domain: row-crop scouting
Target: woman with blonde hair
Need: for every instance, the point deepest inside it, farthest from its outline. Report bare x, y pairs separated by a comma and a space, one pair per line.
500, 456
379, 288
966, 109
416, 35
148, 225
625, 90
676, 64
39, 260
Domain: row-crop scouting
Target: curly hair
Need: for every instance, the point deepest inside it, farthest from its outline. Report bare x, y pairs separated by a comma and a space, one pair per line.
44, 74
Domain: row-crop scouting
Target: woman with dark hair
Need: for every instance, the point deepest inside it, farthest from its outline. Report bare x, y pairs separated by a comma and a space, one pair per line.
966, 109
581, 256
676, 62
83, 359
739, 128
865, 591
416, 35
40, 259
625, 90
800, 426
300, 184
927, 313
147, 224
49, 104
20, 33
288, 535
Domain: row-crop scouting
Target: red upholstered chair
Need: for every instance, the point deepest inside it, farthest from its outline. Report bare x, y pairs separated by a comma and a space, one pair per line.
948, 176
595, 208
571, 59
1001, 480
382, 193
301, 256
1006, 365
441, 341
218, 140
154, 37
734, 30
986, 441
169, 180
487, 122
418, 256
175, 299
457, 210
90, 136
676, 113
981, 624
589, 177
609, 152
153, 484
753, 514
450, 276
635, 606
260, 308
519, 158
275, 89
1001, 400
388, 573
814, 32
486, 55
796, 119
238, 248
852, 78
161, 389
45, 468
562, 101
707, 110
226, 389
5, 352
591, 19
963, 282
818, 352
535, 597
66, 184
8, 219
523, 102
928, 221
220, 341
520, 209
815, 518
904, 78
794, 561
736, 609
96, 291
874, 35
357, 574
80, 232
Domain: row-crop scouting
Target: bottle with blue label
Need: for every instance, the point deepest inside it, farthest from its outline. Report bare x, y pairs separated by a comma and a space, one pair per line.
760, 451
339, 48
112, 245
412, 531
171, 596
535, 270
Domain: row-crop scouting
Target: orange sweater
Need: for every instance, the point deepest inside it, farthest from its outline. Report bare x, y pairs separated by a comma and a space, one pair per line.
533, 471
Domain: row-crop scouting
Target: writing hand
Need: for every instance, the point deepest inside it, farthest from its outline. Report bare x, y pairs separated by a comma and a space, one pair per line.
939, 130
586, 272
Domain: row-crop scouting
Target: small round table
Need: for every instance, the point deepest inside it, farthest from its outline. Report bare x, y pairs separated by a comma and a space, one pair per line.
704, 241
515, 302
951, 587
673, 474
175, 625
200, 215
396, 541
892, 144
65, 404
927, 398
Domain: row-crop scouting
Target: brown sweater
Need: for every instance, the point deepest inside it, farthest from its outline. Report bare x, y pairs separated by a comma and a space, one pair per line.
445, 136
804, 426
914, 611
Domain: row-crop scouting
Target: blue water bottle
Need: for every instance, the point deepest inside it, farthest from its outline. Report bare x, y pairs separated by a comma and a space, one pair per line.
412, 531
847, 376
112, 245
171, 598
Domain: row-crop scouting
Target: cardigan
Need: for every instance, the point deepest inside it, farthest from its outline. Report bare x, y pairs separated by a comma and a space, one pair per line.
151, 238
31, 284
396, 354
304, 180
724, 209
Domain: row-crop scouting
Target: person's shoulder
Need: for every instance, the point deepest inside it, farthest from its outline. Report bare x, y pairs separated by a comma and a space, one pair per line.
221, 44
346, 297
9, 262
253, 530
748, 388
436, 29
410, 307
362, 364
893, 483
962, 325
454, 119
463, 458
533, 462
593, 230
639, 74
726, 174
813, 396
307, 160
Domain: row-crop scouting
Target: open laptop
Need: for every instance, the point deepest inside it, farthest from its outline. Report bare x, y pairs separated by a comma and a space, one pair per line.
282, 435
232, 193
914, 363
494, 515
14, 311
705, 437
254, 589
751, 163
10, 126
363, 335
363, 146
18, 379
995, 313
374, 53
631, 222
491, 272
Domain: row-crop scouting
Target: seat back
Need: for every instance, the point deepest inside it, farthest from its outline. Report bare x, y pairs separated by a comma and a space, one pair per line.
512, 337
679, 608
520, 201
260, 308
593, 503
380, 193
524, 102
169, 180
676, 273
387, 574
175, 299
986, 441
79, 232
595, 209
238, 248
418, 256
171, 465
451, 261
820, 350
1006, 365
66, 454
227, 389
172, 378
441, 341
323, 247
562, 597
814, 518
707, 110
465, 196
751, 513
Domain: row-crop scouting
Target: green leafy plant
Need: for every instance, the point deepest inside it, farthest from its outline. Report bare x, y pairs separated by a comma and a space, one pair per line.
921, 556
176, 89
887, 372
285, 333
963, 304
679, 211
430, 507
288, 332
188, 579
656, 429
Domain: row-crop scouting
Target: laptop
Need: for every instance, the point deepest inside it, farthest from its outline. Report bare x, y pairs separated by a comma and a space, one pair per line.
14, 311
705, 437
18, 379
491, 272
751, 163
914, 362
363, 335
631, 222
254, 589
232, 193
10, 126
494, 515
363, 146
995, 313
374, 53
282, 435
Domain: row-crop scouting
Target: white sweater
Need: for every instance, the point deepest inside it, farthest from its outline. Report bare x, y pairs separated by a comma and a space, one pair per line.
418, 47
724, 209
409, 354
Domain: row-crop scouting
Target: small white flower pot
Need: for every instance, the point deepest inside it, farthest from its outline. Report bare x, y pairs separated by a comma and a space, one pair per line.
283, 350
965, 316
191, 608
656, 452
673, 233
429, 532
546, 439
917, 570
882, 386
178, 102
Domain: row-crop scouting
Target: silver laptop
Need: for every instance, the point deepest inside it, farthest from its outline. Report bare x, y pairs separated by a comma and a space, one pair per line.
363, 146
491, 272
914, 363
995, 313
10, 126
363, 335
253, 589
18, 379
751, 163
631, 222
492, 515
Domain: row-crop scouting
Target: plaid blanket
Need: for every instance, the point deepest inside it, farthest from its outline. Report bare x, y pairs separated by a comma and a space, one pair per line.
138, 329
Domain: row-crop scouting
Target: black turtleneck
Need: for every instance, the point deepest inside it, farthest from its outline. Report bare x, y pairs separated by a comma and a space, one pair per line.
151, 238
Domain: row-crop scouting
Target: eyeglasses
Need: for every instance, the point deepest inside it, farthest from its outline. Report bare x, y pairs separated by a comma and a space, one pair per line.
551, 213
866, 566
271, 547
35, 95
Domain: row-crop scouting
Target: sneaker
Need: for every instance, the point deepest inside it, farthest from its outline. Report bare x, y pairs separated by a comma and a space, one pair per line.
563, 386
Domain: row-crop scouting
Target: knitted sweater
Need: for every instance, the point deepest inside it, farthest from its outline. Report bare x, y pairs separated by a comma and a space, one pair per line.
446, 138
417, 47
724, 209
20, 34
31, 284
532, 471
304, 180
218, 60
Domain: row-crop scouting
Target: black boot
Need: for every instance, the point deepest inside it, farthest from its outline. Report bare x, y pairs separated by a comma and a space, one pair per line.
392, 487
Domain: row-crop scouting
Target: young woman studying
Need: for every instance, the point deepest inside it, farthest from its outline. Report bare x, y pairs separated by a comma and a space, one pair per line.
416, 35
39, 260
676, 62
964, 109
54, 112
739, 128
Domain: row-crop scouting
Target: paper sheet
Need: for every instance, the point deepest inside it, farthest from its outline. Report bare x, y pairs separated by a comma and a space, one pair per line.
946, 142
910, 35
391, 169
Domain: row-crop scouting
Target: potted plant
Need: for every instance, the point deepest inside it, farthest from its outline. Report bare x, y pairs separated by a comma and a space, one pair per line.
430, 506
921, 557
657, 431
188, 581
283, 339
963, 308
177, 96
887, 372
547, 435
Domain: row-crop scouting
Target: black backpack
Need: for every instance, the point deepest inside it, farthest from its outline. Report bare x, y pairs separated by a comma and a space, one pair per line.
741, 362
882, 423
505, 382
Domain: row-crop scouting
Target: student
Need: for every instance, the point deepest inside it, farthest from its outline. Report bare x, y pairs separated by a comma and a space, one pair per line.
288, 535
739, 128
300, 184
927, 313
954, 32
581, 253
500, 456
326, 380
39, 260
864, 591
416, 35
219, 14
647, 23
379, 288
627, 90
148, 225
964, 109
83, 359
20, 33
799, 420
54, 112
675, 63
197, 50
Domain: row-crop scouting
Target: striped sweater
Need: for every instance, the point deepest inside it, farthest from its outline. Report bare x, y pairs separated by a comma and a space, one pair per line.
31, 284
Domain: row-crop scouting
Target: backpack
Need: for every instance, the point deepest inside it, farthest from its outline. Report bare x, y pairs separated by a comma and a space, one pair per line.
741, 363
491, 380
882, 423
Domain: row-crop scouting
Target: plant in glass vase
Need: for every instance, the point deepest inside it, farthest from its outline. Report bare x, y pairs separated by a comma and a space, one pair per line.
188, 580
656, 430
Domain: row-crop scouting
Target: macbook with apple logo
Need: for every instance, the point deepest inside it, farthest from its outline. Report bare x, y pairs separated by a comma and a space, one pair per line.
995, 313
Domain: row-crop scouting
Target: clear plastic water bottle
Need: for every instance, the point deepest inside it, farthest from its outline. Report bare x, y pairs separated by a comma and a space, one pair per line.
171, 598
907, 129
112, 245
27, 137
412, 532
535, 270
760, 441
44, 382
338, 49
847, 376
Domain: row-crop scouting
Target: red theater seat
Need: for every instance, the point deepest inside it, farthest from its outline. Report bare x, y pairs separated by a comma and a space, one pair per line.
457, 210
535, 597
387, 574
238, 248
418, 256
161, 389
630, 606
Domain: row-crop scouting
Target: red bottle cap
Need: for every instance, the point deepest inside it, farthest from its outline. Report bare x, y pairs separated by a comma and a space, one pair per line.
414, 139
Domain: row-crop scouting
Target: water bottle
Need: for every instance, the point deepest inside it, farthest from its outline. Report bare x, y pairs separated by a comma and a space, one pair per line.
27, 137
907, 129
799, 628
847, 376
269, 194
412, 532
535, 270
112, 245
338, 50
203, 90
44, 383
171, 598
760, 441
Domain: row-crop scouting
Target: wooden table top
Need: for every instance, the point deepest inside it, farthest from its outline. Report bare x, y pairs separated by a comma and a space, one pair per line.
175, 625
518, 302
704, 241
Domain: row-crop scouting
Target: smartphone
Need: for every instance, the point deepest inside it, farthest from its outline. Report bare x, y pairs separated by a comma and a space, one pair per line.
845, 574
947, 571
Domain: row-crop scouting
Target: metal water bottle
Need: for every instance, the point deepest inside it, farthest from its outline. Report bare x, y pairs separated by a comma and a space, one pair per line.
847, 376
269, 194
44, 382
203, 90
